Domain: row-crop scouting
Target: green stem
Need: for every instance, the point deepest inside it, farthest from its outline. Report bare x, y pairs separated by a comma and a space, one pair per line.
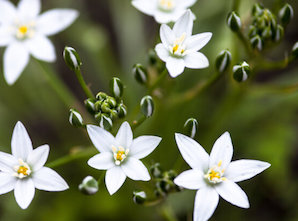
236, 4
157, 82
137, 123
168, 214
83, 84
72, 157
58, 86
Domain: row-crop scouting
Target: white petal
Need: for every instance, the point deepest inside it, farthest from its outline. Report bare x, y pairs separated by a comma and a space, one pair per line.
184, 25
162, 52
198, 41
7, 11
21, 145
175, 66
5, 36
55, 20
101, 139
240, 170
206, 202
7, 182
135, 169
49, 180
196, 60
102, 161
187, 3
115, 178
38, 157
142, 146
16, 58
7, 162
167, 36
232, 193
165, 17
24, 192
191, 179
124, 136
192, 152
41, 48
222, 151
29, 8
146, 6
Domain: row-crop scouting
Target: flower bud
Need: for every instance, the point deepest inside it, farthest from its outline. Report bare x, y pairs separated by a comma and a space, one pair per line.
252, 31
116, 87
223, 60
90, 105
139, 197
190, 127
152, 57
101, 96
105, 107
89, 186
147, 106
241, 72
256, 42
234, 21
111, 101
104, 121
71, 58
295, 50
75, 118
286, 13
170, 175
97, 106
156, 170
267, 33
257, 9
140, 73
121, 110
279, 33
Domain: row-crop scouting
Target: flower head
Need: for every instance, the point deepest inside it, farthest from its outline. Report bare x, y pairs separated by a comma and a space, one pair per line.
120, 155
215, 175
179, 48
164, 11
25, 32
24, 170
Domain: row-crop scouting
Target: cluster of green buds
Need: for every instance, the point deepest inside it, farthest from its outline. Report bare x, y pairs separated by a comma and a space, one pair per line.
105, 108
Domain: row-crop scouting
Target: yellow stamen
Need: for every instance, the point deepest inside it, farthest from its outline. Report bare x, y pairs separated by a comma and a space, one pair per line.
23, 29
23, 170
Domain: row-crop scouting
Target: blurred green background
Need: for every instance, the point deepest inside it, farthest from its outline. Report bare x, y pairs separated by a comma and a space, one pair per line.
111, 36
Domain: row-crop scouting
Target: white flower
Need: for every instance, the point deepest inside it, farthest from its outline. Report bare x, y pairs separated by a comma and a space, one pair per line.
215, 175
120, 155
24, 170
25, 32
179, 48
164, 11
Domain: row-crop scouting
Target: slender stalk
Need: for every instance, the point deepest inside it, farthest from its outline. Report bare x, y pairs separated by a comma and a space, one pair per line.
168, 214
137, 123
236, 4
158, 81
83, 84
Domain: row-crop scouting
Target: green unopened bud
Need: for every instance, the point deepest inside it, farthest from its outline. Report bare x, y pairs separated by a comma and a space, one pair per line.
104, 121
257, 9
234, 21
256, 43
191, 127
241, 72
97, 106
147, 106
116, 87
252, 31
267, 33
140, 73
90, 105
279, 33
295, 50
72, 58
156, 170
75, 118
122, 111
111, 101
223, 60
101, 96
152, 57
286, 13
89, 186
170, 175
165, 185
139, 197
105, 107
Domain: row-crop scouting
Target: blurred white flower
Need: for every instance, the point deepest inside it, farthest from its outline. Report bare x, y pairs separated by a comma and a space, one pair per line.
179, 48
25, 32
24, 170
120, 155
215, 175
164, 11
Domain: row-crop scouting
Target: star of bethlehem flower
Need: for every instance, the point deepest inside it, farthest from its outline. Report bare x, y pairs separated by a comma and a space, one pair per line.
120, 155
25, 32
179, 48
215, 175
24, 170
164, 11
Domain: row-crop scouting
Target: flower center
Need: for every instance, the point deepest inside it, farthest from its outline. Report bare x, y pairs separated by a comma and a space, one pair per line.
120, 154
22, 170
166, 5
24, 31
215, 174
178, 47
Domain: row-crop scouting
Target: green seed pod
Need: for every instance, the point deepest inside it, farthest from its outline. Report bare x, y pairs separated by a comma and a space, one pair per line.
139, 197
89, 186
104, 121
140, 73
256, 43
156, 170
116, 87
90, 105
101, 96
191, 127
234, 21
241, 72
72, 58
223, 60
257, 9
295, 50
286, 13
75, 118
122, 111
147, 106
